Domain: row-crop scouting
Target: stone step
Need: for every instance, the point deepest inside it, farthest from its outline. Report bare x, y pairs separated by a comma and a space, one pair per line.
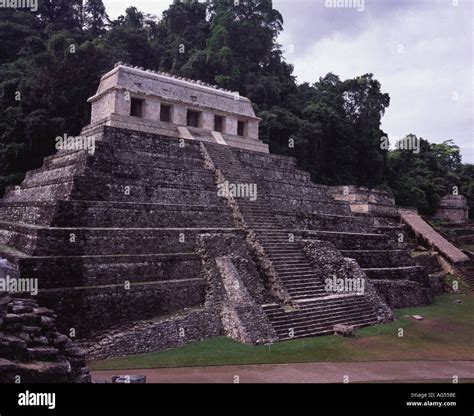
302, 294
282, 239
278, 236
261, 226
109, 270
300, 266
297, 294
173, 172
279, 244
64, 156
295, 271
100, 307
259, 221
274, 246
293, 204
354, 241
302, 283
328, 329
466, 239
205, 184
44, 175
298, 323
170, 162
301, 280
290, 275
42, 353
106, 241
416, 273
303, 290
305, 286
330, 301
87, 188
318, 306
319, 316
299, 269
380, 258
292, 266
144, 147
252, 162
301, 320
289, 189
296, 258
281, 251
116, 214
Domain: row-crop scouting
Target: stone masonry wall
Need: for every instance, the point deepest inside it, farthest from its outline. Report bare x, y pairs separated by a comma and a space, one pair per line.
32, 350
235, 288
403, 293
327, 259
155, 335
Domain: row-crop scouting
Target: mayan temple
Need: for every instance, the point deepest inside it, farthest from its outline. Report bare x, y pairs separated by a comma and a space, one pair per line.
179, 225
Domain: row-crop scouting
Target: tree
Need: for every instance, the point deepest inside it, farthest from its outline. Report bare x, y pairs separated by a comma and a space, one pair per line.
51, 62
95, 18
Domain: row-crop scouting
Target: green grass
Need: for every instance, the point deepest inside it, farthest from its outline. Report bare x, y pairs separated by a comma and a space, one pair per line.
446, 333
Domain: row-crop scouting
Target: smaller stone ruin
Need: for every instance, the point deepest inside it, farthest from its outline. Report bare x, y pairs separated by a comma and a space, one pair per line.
363, 200
453, 209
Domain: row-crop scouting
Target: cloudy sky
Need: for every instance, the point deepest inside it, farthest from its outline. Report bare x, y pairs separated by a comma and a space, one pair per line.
422, 52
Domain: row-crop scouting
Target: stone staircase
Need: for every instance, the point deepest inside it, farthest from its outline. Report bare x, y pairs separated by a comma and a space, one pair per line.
467, 275
314, 311
318, 316
291, 264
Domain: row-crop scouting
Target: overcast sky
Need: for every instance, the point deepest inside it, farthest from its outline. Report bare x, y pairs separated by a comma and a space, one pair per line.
422, 52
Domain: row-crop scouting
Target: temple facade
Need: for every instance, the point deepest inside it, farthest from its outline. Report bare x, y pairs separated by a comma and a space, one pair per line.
155, 102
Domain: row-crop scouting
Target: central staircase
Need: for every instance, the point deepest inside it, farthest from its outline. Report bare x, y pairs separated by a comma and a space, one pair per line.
282, 191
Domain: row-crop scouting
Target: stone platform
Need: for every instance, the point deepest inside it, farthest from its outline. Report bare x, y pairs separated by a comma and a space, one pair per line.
136, 239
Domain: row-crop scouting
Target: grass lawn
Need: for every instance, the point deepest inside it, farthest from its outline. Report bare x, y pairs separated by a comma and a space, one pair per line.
445, 333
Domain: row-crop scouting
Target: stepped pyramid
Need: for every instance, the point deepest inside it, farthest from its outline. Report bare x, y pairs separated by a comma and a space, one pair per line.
135, 244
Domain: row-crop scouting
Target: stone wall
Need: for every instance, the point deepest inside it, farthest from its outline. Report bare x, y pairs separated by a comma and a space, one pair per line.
403, 293
366, 201
155, 335
453, 208
93, 308
32, 350
236, 289
112, 103
429, 261
232, 307
330, 263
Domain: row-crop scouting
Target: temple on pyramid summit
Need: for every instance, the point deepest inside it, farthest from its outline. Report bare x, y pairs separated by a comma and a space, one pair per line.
135, 248
158, 103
